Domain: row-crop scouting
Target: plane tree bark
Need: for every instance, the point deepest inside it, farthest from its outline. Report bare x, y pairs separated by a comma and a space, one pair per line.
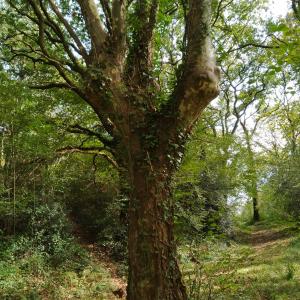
109, 64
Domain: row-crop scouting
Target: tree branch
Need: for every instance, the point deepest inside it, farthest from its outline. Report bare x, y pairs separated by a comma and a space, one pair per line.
93, 23
70, 30
68, 70
219, 10
118, 16
252, 45
198, 83
42, 23
82, 130
101, 151
139, 59
51, 85
60, 34
107, 12
70, 149
48, 34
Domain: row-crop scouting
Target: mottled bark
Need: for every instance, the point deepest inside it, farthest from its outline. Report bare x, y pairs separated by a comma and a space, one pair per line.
153, 269
200, 75
93, 23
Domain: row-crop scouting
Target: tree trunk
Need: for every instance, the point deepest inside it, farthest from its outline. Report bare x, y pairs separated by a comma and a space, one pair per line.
253, 191
255, 210
153, 269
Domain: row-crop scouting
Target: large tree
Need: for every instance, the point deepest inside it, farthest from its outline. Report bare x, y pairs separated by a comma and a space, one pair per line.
116, 56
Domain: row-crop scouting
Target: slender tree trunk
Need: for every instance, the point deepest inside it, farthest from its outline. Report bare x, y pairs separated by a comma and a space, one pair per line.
153, 269
256, 216
253, 191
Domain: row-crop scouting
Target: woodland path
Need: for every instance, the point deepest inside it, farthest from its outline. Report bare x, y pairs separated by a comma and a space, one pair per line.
260, 235
270, 266
100, 257
261, 238
271, 269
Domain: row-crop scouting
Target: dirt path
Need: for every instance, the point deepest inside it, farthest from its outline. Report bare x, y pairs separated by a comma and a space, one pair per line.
262, 238
266, 237
99, 257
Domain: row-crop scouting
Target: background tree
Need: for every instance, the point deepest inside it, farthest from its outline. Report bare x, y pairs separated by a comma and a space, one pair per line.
244, 86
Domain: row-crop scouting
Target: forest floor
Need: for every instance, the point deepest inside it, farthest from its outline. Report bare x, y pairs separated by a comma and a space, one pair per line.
273, 268
263, 264
93, 276
116, 282
116, 285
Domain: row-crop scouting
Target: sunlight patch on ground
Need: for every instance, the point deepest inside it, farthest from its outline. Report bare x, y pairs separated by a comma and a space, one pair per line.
265, 264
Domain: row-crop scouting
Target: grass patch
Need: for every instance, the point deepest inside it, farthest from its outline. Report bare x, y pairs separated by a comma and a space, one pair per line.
268, 269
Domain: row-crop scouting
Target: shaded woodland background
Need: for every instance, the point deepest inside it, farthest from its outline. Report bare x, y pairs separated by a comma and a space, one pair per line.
63, 214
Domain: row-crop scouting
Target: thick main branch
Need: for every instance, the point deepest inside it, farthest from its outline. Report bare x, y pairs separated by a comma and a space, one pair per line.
198, 83
93, 23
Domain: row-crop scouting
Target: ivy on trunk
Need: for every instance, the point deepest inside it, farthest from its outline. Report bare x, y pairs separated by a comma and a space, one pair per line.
104, 54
